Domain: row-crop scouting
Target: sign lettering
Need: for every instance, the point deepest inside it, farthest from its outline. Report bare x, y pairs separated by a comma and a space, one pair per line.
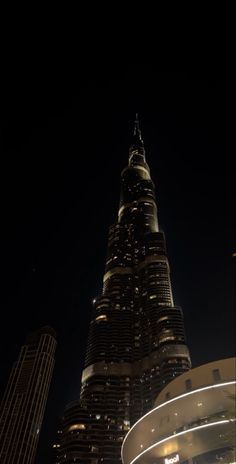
172, 460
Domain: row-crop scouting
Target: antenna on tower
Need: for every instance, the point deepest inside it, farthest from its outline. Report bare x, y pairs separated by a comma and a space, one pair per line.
136, 125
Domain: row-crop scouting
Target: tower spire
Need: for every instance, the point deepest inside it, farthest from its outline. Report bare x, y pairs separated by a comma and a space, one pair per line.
137, 131
136, 124
137, 141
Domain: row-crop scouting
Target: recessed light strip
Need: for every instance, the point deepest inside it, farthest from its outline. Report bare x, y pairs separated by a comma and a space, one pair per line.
184, 432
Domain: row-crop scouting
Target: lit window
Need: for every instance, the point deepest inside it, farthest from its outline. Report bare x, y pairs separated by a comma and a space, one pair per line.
94, 449
165, 338
102, 317
162, 318
126, 422
76, 427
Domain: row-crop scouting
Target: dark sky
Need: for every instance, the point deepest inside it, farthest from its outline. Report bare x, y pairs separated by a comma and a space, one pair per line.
64, 141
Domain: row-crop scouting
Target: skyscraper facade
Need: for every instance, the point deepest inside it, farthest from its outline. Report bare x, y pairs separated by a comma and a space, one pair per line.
136, 342
24, 401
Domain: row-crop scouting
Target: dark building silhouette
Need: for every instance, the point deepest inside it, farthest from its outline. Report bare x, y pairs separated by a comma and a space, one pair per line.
136, 342
23, 404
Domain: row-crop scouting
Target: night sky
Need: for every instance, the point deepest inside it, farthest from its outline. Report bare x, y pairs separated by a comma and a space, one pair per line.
64, 141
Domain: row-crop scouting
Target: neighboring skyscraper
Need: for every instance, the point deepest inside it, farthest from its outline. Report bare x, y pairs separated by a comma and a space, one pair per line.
136, 339
24, 401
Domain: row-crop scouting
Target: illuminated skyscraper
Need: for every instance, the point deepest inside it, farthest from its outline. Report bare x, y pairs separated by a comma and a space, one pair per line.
136, 342
24, 401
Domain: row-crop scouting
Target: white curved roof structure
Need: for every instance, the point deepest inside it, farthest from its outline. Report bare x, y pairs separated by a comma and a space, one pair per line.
196, 421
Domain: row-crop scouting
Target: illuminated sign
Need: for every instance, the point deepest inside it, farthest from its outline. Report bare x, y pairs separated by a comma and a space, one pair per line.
172, 460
